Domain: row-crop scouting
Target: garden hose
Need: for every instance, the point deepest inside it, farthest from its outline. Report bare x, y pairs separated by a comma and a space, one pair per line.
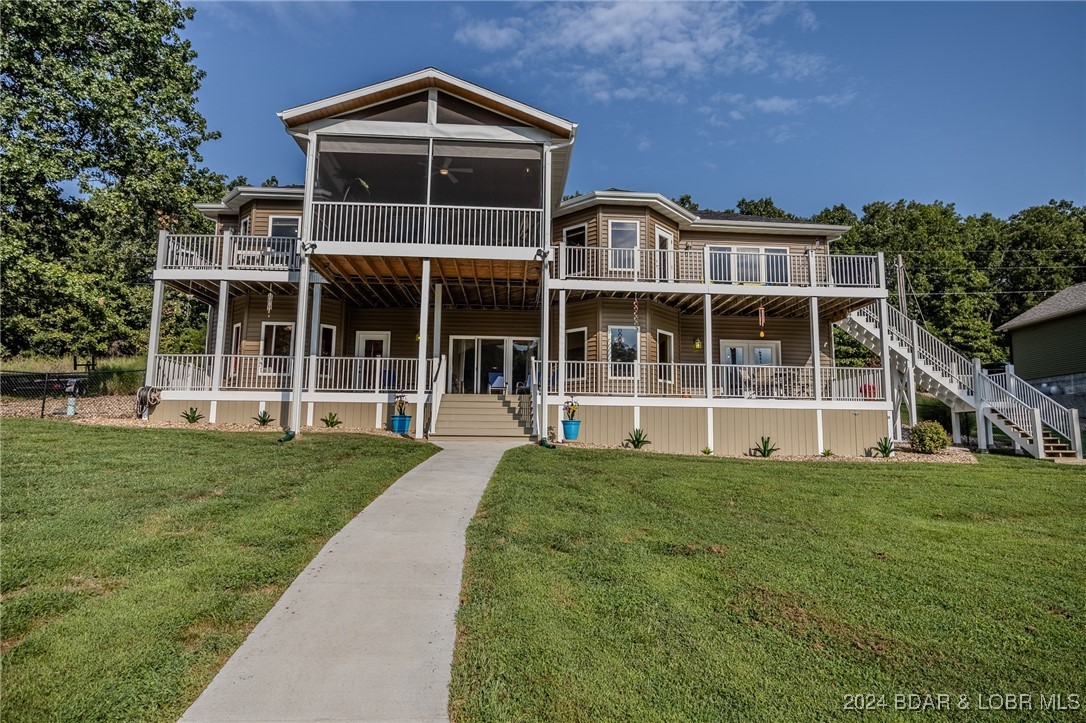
546, 445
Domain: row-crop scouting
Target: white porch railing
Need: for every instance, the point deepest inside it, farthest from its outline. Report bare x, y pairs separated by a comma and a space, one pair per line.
852, 384
632, 379
437, 387
1062, 420
419, 224
204, 252
365, 374
718, 265
183, 371
242, 371
192, 251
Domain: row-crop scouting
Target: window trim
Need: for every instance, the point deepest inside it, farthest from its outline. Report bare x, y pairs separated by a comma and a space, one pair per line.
263, 335
633, 251
584, 331
637, 352
567, 265
730, 251
748, 351
273, 219
243, 226
671, 353
320, 338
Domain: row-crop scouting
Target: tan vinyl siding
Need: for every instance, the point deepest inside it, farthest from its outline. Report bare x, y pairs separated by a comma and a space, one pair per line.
700, 239
353, 415
849, 432
599, 425
259, 211
620, 213
251, 311
589, 219
737, 431
235, 412
679, 430
793, 334
1050, 348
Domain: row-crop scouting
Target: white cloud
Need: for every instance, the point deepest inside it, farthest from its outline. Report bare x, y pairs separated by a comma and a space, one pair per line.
639, 50
644, 144
776, 104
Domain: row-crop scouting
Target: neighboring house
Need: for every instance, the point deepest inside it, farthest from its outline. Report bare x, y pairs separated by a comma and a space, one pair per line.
429, 254
1048, 346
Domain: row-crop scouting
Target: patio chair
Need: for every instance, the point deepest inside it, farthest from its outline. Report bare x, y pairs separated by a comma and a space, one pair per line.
495, 382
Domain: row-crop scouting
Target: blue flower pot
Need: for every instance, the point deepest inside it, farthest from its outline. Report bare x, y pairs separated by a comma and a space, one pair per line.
401, 423
571, 428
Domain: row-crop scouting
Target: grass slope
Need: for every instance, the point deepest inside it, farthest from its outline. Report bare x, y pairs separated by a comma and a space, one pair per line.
622, 586
135, 561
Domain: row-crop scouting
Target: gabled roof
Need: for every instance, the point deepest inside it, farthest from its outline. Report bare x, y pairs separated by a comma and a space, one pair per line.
423, 80
1071, 300
706, 220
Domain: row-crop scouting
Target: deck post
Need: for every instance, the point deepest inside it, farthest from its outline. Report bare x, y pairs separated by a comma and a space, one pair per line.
707, 335
816, 362
955, 427
978, 406
437, 322
314, 348
304, 248
156, 316
561, 353
225, 251
884, 349
424, 330
220, 341
544, 343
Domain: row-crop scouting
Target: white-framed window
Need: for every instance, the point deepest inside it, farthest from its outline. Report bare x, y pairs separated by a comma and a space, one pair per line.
275, 346
623, 237
576, 242
749, 265
720, 264
777, 270
665, 354
244, 226
622, 351
740, 352
665, 244
284, 226
576, 353
327, 345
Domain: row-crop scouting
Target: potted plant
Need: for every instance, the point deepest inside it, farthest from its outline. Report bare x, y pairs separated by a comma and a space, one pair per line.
571, 427
401, 420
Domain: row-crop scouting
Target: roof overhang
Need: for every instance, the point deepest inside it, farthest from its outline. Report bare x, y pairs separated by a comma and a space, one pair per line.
687, 220
233, 201
295, 118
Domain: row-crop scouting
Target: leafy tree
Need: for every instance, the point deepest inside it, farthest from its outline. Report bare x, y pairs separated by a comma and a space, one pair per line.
763, 207
687, 202
100, 138
270, 182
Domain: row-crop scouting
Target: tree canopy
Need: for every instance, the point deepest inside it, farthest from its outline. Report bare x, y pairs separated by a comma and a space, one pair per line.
101, 142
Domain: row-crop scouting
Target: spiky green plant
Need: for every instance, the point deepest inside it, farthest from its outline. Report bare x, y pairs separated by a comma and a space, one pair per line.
263, 419
885, 446
765, 448
331, 420
192, 416
637, 439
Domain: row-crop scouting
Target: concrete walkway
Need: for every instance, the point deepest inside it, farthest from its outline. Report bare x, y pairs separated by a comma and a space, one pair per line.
366, 632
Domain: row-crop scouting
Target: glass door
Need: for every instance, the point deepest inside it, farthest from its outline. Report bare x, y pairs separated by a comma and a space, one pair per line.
372, 348
520, 370
493, 372
491, 365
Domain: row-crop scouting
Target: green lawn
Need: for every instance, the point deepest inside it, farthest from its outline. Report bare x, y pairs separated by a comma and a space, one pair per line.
135, 561
612, 585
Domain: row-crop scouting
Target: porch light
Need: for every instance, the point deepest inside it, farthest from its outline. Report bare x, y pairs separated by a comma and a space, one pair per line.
697, 344
418, 337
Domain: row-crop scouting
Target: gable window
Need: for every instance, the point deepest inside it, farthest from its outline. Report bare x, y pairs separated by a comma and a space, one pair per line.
283, 226
622, 351
623, 239
576, 353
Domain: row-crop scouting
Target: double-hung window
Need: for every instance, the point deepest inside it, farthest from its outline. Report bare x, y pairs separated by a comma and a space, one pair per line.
623, 238
275, 347
720, 264
576, 353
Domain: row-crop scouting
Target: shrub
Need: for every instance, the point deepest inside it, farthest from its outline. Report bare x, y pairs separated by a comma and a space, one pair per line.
637, 439
885, 447
331, 421
928, 437
192, 416
263, 419
765, 448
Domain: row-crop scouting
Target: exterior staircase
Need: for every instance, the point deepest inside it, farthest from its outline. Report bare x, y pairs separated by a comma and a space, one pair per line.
484, 415
1033, 421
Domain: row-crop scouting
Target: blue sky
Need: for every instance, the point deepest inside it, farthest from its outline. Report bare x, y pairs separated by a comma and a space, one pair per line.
980, 104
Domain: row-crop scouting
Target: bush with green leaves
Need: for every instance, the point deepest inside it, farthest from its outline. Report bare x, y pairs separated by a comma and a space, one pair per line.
885, 446
928, 437
331, 420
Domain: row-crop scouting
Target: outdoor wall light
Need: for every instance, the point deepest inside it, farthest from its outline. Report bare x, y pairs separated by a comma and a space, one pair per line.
697, 343
418, 337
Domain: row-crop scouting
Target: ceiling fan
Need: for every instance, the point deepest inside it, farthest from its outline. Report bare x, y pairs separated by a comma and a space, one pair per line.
448, 172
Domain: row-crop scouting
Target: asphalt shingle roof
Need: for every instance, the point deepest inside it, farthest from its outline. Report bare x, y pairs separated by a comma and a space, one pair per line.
1070, 300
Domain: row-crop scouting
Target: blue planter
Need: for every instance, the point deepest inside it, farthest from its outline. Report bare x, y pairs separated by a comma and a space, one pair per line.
401, 423
571, 428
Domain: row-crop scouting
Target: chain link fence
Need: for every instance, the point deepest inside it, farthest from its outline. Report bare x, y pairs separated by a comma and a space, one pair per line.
94, 393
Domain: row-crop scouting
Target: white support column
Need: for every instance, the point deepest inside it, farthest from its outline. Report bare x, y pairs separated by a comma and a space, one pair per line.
304, 249
424, 330
978, 406
155, 332
437, 321
561, 353
220, 341
955, 427
884, 349
1076, 432
816, 360
314, 348
544, 345
226, 250
707, 347
1038, 433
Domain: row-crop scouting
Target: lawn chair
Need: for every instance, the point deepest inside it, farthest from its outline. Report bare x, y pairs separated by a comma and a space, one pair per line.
495, 382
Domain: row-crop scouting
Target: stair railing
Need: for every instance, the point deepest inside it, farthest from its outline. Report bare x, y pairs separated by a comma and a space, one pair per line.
1054, 415
1000, 400
533, 385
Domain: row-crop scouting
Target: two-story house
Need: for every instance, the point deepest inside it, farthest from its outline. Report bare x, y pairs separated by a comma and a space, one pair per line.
430, 254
